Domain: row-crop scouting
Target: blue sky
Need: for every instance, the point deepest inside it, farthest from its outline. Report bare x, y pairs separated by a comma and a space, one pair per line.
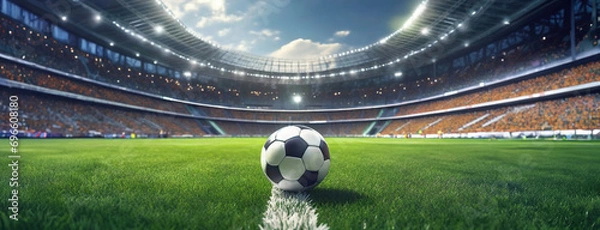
291, 29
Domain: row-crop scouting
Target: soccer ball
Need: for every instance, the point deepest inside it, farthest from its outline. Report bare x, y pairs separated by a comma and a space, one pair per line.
295, 158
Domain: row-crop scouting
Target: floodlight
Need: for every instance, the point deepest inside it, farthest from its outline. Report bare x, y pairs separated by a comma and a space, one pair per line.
415, 15
158, 29
297, 99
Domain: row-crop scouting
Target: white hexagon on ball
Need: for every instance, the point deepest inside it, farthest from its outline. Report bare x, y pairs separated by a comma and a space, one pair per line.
275, 153
324, 170
291, 168
311, 137
313, 158
286, 133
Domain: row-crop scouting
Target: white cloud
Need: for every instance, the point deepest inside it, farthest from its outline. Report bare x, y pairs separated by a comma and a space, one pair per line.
216, 11
305, 49
266, 33
187, 6
342, 33
243, 46
223, 32
220, 18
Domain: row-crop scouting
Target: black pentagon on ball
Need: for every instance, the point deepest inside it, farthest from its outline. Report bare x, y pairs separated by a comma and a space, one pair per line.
295, 147
274, 174
324, 149
309, 178
268, 143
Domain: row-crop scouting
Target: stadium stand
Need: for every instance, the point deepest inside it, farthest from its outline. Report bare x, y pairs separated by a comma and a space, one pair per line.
37, 58
60, 116
559, 114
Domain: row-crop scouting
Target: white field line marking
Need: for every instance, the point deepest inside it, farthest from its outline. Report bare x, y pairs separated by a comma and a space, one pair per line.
290, 211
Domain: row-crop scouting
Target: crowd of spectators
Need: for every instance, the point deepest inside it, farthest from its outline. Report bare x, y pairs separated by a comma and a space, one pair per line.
32, 76
31, 45
577, 75
27, 44
568, 77
576, 112
39, 112
514, 60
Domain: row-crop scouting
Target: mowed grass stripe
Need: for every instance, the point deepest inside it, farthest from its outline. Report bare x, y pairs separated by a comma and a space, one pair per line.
373, 183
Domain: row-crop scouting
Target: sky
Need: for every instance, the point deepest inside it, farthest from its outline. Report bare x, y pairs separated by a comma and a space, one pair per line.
288, 29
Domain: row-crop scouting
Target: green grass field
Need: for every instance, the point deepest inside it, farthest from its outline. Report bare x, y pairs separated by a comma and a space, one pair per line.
372, 184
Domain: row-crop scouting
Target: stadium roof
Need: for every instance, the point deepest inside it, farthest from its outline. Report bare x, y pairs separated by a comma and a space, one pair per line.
436, 29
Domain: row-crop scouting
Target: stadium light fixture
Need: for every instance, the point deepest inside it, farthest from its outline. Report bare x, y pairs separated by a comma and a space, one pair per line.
297, 99
398, 74
187, 74
98, 18
159, 29
112, 44
425, 31
63, 18
506, 22
420, 9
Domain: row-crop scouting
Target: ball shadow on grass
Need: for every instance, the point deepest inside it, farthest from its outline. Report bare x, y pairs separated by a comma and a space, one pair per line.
335, 196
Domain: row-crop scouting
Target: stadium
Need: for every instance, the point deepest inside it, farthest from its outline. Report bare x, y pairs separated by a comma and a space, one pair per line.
474, 114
